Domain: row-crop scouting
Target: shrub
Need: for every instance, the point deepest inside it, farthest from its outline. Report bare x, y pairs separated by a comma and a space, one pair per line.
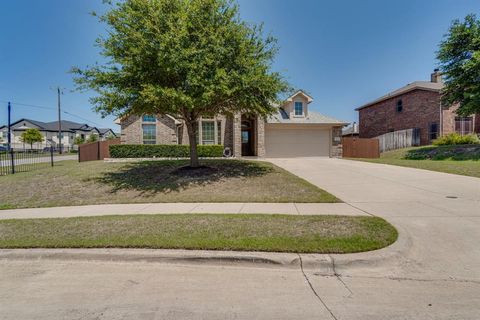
455, 138
163, 151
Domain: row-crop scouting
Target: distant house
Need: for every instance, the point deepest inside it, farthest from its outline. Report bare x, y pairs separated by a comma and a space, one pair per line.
49, 130
294, 130
415, 106
350, 131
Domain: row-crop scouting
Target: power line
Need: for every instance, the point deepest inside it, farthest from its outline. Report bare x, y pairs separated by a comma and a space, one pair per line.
49, 108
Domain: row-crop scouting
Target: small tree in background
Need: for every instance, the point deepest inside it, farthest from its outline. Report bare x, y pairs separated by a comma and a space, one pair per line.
110, 137
31, 136
184, 58
459, 57
79, 140
92, 138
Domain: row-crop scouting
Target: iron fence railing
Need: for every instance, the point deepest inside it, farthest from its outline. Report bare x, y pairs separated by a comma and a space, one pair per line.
12, 162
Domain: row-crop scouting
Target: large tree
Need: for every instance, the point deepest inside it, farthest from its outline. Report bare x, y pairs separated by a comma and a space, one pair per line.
31, 136
186, 58
459, 57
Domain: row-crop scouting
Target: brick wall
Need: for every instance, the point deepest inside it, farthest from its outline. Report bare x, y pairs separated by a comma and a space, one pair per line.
420, 109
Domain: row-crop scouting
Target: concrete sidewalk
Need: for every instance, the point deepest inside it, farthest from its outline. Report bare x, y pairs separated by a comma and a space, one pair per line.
168, 208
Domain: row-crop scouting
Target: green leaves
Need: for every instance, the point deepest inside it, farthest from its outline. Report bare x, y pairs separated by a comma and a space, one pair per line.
31, 136
459, 57
187, 58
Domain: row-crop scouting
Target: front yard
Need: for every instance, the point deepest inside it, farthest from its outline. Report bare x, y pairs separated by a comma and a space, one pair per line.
71, 183
279, 233
462, 160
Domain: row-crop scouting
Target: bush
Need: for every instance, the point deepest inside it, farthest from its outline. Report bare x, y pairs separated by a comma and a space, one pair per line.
455, 138
163, 151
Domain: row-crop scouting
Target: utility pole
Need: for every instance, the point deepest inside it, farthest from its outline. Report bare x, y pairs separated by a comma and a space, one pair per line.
9, 137
59, 122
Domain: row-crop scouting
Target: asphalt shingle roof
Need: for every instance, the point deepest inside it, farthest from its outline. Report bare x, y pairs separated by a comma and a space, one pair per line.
312, 118
417, 85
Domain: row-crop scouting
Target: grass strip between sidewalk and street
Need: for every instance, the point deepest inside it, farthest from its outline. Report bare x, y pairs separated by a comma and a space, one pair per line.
274, 233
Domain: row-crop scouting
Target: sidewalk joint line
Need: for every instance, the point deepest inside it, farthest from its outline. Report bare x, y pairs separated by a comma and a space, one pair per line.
296, 208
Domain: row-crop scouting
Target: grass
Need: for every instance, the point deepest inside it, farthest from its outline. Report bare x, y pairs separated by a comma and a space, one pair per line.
71, 183
275, 233
462, 160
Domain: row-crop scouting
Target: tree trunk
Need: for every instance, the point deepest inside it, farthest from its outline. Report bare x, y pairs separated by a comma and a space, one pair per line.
191, 130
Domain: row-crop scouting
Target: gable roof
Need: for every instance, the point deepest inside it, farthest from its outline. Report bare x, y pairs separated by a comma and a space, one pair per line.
417, 85
67, 125
312, 118
300, 92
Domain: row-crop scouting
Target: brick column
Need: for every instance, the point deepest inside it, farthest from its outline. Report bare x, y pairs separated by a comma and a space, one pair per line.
237, 135
260, 137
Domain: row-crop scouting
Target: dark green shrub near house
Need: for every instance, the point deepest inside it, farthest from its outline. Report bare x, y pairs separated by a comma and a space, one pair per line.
163, 151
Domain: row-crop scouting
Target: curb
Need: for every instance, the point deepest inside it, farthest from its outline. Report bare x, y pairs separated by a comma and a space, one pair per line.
332, 264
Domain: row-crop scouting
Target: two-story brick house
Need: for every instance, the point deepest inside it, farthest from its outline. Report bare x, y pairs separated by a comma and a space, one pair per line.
416, 105
293, 131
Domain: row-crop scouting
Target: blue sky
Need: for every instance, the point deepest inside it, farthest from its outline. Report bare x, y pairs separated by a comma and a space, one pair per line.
344, 53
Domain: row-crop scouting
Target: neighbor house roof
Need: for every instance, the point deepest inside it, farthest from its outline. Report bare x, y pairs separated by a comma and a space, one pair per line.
312, 118
53, 125
417, 85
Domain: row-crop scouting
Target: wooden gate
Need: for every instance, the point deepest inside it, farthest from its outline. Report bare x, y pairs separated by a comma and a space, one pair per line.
360, 148
96, 150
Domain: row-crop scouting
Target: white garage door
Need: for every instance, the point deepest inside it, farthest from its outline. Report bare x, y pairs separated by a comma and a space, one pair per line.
296, 141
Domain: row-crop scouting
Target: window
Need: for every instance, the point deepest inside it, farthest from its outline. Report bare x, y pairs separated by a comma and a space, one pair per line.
208, 132
463, 125
298, 108
148, 118
399, 105
433, 131
149, 134
219, 132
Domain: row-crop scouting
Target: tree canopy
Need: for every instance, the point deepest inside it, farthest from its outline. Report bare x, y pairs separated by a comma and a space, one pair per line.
31, 136
459, 57
186, 58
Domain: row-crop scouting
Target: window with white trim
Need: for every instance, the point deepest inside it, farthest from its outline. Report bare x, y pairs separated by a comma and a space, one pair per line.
463, 125
149, 133
298, 108
208, 132
148, 118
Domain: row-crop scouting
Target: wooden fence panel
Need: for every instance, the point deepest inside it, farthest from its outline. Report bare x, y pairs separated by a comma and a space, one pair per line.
360, 148
96, 150
399, 139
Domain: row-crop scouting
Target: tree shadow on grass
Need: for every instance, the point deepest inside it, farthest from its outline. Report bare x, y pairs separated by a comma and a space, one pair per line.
454, 152
154, 177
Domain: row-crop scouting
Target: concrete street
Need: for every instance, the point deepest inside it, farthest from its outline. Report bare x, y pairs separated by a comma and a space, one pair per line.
432, 272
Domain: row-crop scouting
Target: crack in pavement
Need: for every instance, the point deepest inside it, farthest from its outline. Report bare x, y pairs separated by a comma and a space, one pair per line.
339, 277
399, 278
313, 290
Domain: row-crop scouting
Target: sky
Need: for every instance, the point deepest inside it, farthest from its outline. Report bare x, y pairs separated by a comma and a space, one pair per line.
343, 53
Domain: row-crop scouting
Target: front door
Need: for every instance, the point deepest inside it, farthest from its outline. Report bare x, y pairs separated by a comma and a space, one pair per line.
247, 138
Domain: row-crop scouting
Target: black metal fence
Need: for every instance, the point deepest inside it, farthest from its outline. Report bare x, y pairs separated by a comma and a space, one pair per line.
21, 161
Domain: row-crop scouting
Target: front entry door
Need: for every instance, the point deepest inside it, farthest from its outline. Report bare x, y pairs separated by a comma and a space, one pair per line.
247, 138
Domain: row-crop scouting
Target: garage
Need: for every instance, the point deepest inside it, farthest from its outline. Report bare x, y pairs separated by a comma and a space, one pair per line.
297, 140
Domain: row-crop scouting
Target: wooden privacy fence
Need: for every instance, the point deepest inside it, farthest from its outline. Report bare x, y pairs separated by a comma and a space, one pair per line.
96, 150
360, 148
399, 139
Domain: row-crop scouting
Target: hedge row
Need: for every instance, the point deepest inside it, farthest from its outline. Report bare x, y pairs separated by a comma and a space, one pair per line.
162, 151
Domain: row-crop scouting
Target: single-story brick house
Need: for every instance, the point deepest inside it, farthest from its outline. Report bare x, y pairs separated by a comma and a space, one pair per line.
293, 131
416, 105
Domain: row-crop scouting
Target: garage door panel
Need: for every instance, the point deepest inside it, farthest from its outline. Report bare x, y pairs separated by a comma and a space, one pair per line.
297, 142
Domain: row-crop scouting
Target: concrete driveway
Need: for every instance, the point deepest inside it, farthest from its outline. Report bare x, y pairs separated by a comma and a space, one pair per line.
437, 214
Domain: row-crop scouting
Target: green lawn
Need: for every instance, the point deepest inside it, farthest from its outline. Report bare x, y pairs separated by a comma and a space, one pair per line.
279, 233
462, 160
71, 183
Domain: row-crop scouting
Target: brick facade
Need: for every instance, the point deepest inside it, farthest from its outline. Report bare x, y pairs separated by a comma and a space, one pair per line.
420, 109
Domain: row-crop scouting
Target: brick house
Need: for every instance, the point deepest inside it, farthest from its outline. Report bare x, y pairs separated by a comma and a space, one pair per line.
292, 131
416, 105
